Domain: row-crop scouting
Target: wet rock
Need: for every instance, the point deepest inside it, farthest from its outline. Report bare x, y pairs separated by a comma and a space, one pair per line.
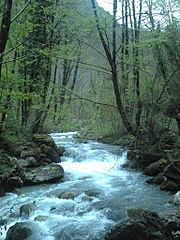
159, 179
87, 198
148, 158
50, 153
172, 171
171, 220
93, 193
19, 231
60, 150
44, 174
67, 195
142, 159
41, 218
170, 186
156, 167
26, 209
137, 213
141, 225
15, 182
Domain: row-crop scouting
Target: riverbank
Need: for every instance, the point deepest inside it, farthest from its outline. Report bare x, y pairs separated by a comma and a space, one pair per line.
29, 163
93, 200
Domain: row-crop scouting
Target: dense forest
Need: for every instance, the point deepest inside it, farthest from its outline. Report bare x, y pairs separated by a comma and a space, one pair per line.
69, 65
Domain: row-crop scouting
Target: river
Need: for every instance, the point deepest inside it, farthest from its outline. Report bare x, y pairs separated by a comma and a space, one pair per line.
104, 189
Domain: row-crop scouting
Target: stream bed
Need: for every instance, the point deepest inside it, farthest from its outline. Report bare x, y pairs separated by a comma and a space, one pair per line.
103, 190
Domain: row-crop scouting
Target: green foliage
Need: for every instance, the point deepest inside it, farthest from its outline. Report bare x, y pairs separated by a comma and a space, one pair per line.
54, 31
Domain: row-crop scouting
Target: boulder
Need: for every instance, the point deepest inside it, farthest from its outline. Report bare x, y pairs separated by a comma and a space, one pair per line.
31, 152
44, 174
148, 158
172, 171
19, 231
170, 186
60, 150
156, 167
44, 139
11, 175
41, 218
67, 195
93, 193
157, 179
27, 162
142, 159
141, 225
171, 221
15, 182
50, 153
87, 198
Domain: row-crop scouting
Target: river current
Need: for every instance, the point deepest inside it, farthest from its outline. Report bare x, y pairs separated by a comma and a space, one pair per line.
104, 191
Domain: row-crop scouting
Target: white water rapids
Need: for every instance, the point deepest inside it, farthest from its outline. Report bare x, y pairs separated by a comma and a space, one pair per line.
104, 192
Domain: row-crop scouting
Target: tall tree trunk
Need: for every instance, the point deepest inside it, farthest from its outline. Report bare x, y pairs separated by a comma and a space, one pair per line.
74, 77
4, 33
178, 124
136, 60
111, 57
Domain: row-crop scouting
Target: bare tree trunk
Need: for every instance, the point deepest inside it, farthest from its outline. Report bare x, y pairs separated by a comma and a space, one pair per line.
111, 57
178, 124
74, 77
136, 60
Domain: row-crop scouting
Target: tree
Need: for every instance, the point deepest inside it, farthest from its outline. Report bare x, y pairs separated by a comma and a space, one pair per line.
4, 32
112, 59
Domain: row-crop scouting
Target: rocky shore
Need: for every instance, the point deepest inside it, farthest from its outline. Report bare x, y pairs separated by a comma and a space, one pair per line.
161, 162
36, 163
32, 163
146, 225
164, 170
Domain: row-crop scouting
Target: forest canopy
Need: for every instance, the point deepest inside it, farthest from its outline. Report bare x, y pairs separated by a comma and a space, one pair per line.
71, 65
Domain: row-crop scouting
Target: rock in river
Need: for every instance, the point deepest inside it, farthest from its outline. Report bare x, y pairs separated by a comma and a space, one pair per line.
40, 139
19, 231
156, 167
44, 174
141, 225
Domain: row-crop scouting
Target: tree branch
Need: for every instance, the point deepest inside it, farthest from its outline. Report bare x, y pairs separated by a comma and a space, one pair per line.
22, 10
87, 99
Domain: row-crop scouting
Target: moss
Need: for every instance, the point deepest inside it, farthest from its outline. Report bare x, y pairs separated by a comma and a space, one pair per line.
6, 163
139, 213
11, 143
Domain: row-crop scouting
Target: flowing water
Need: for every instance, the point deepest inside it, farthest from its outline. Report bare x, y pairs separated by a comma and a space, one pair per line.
103, 192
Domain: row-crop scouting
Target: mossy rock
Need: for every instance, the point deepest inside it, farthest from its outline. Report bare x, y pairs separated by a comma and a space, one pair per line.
141, 225
172, 171
6, 164
156, 167
171, 186
141, 213
157, 179
44, 139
